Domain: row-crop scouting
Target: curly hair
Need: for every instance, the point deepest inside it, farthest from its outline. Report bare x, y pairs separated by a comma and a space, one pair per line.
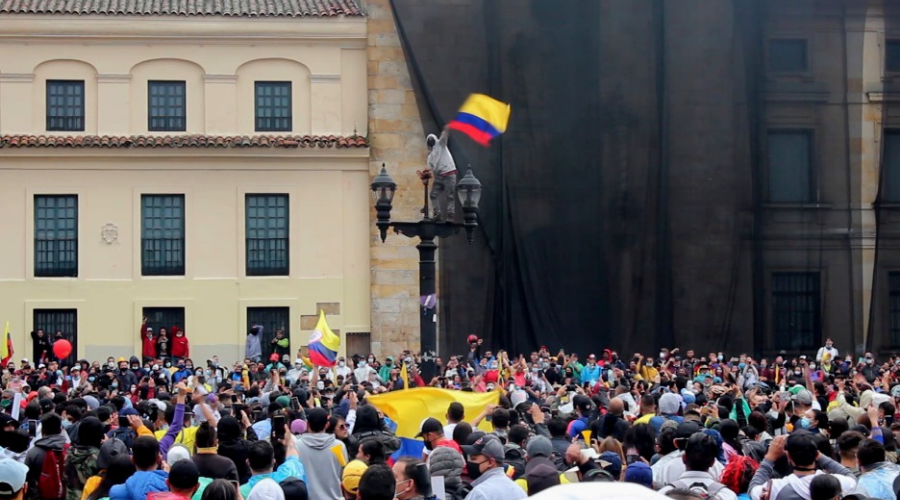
738, 473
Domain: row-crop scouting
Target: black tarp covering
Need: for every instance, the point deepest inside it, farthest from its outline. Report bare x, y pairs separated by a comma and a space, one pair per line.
625, 207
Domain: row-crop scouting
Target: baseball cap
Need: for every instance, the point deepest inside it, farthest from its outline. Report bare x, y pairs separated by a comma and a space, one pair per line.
353, 472
294, 488
12, 477
639, 473
184, 474
539, 446
611, 462
488, 446
803, 397
430, 424
110, 450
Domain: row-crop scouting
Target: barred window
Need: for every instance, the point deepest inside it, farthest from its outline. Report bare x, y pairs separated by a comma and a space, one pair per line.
271, 319
162, 235
267, 234
796, 310
166, 106
65, 105
55, 236
64, 321
894, 283
790, 166
788, 55
273, 107
165, 317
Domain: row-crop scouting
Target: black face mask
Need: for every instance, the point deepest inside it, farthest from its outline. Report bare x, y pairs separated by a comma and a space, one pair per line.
473, 470
429, 446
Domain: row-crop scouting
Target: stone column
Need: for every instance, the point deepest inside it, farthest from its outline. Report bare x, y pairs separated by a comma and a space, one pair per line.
396, 139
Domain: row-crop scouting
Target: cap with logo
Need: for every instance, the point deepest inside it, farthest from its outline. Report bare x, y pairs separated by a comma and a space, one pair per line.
12, 477
430, 424
488, 446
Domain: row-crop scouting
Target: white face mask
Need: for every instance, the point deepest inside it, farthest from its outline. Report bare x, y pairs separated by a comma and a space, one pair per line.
342, 364
320, 385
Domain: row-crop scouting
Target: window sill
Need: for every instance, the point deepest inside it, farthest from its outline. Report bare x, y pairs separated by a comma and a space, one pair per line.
890, 204
797, 206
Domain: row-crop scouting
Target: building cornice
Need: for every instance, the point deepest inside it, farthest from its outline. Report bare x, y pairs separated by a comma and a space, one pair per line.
10, 158
105, 29
17, 77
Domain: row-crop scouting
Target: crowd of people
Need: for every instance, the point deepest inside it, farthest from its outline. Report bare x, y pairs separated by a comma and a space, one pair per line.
687, 425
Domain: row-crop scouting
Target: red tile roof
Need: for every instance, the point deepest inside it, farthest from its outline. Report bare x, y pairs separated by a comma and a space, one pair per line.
233, 8
182, 141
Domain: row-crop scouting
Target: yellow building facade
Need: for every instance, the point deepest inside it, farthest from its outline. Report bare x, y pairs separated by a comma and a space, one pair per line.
206, 170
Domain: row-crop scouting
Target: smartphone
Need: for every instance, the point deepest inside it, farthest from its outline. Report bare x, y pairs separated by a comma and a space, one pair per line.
295, 403
238, 408
278, 423
32, 428
123, 422
234, 398
630, 459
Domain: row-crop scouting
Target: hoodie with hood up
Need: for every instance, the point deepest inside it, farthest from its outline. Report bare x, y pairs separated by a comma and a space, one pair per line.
323, 457
141, 484
34, 459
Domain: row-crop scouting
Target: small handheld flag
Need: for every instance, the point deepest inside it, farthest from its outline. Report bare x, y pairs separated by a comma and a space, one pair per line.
481, 118
323, 344
4, 343
404, 376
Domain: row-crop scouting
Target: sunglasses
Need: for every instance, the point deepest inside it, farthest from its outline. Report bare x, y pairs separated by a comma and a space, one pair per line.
342, 426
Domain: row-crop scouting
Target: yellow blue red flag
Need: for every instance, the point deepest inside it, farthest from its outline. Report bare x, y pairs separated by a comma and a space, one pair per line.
481, 118
323, 344
409, 408
4, 343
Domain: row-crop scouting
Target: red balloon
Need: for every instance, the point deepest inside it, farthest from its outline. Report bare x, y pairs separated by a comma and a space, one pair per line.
62, 348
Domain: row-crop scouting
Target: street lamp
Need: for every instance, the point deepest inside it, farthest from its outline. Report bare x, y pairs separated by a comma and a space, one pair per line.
427, 229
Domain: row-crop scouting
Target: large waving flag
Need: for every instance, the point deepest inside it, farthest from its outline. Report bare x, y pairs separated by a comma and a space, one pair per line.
5, 346
410, 407
323, 344
481, 118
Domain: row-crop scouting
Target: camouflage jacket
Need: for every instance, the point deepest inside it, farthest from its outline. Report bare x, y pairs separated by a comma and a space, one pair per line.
81, 464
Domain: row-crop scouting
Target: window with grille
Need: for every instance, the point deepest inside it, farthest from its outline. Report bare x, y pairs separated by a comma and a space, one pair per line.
271, 319
165, 317
56, 236
64, 321
796, 310
65, 105
790, 166
892, 56
788, 55
267, 234
166, 106
890, 189
273, 107
894, 283
162, 235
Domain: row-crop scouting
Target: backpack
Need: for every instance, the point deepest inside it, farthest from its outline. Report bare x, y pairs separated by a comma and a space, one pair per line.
51, 483
700, 489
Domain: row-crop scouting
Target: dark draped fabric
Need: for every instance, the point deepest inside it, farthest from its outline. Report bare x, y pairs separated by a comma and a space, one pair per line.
625, 206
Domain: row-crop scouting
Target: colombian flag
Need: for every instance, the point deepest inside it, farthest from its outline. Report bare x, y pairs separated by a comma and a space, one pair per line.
6, 351
481, 118
324, 344
410, 407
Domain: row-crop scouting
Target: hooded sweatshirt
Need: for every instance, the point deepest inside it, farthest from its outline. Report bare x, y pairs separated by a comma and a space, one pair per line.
232, 445
34, 459
254, 349
138, 486
449, 464
81, 460
323, 457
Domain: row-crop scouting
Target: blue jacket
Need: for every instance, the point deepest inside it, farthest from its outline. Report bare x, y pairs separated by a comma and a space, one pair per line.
138, 486
589, 374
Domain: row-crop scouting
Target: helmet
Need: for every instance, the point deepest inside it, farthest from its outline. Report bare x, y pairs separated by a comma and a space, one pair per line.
122, 359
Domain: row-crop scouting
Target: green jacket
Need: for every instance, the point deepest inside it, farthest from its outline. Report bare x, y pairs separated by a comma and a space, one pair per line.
81, 465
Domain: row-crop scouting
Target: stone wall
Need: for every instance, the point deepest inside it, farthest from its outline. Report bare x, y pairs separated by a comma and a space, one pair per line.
397, 140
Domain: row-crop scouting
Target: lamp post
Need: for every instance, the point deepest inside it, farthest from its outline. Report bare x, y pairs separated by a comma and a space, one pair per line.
427, 229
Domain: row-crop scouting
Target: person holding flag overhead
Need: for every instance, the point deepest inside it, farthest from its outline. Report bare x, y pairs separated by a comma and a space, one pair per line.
323, 344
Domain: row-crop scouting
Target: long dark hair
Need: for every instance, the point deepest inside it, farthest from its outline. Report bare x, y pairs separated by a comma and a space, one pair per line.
219, 489
120, 468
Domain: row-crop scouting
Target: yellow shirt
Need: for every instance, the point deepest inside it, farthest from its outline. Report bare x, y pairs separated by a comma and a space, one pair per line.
645, 419
523, 483
186, 437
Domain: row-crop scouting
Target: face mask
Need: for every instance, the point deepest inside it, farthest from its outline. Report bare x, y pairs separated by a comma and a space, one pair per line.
114, 385
362, 364
798, 372
199, 373
168, 364
869, 361
804, 423
371, 360
66, 424
742, 366
189, 367
812, 366
473, 470
91, 379
320, 385
6, 403
135, 367
342, 364
662, 355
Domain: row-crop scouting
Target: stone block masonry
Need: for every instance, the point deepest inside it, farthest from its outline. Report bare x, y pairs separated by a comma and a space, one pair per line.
396, 139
